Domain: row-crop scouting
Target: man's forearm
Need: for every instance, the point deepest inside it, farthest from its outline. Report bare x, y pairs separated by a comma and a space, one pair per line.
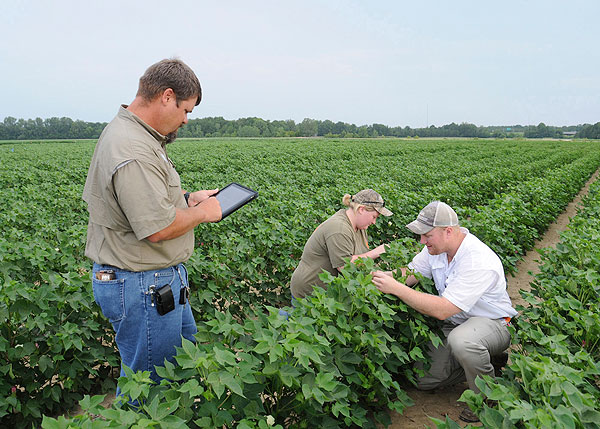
431, 305
425, 303
188, 219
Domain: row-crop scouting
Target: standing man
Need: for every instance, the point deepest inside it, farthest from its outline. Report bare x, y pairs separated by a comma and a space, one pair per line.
141, 222
473, 301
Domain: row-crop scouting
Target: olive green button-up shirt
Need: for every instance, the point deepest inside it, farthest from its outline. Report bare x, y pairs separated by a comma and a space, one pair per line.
332, 241
132, 191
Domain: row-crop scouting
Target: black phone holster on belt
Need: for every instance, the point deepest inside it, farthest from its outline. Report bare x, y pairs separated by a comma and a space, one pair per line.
164, 299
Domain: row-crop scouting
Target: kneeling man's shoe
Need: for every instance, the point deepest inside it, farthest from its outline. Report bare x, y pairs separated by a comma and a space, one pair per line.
499, 362
468, 416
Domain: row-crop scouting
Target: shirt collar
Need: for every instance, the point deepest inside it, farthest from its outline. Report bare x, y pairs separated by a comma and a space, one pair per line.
126, 114
460, 251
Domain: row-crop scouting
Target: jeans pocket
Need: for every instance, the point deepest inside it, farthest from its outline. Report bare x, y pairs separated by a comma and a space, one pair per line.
110, 297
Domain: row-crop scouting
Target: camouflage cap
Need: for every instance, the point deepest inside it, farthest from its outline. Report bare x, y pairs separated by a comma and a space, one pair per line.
370, 198
434, 214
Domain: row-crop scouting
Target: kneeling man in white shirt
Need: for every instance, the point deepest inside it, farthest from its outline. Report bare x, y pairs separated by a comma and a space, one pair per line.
473, 301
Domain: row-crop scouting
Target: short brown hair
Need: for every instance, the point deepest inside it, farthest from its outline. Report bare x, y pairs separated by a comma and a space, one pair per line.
170, 73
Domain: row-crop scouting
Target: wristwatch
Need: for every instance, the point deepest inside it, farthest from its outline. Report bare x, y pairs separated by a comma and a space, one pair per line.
187, 198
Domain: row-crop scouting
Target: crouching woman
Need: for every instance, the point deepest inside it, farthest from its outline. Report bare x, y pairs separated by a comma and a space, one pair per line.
343, 235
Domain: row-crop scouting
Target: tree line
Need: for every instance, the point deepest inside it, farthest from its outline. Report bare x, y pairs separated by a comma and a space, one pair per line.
66, 128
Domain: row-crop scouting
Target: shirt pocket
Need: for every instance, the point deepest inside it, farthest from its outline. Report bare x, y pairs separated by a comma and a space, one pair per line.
175, 192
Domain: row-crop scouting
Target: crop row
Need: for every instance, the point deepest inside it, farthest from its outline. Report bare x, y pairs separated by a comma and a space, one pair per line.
268, 246
57, 346
553, 380
339, 361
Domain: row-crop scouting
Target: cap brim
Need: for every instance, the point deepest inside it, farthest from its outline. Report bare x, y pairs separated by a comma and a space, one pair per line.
383, 211
419, 227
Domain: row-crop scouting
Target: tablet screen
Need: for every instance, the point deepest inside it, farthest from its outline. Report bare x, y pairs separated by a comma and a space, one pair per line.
234, 196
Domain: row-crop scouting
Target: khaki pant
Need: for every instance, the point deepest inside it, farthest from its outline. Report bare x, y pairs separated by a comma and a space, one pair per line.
465, 353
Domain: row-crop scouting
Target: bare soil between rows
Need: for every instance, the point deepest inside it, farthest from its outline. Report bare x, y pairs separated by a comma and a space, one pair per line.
443, 402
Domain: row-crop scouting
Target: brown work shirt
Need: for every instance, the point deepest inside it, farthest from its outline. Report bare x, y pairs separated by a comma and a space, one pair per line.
332, 241
132, 190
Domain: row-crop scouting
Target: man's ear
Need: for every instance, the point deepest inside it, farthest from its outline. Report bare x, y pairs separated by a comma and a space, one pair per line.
167, 95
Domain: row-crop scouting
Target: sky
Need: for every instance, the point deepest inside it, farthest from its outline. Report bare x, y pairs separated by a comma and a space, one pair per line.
398, 63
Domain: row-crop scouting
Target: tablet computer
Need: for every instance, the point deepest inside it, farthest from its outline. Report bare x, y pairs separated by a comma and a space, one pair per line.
234, 196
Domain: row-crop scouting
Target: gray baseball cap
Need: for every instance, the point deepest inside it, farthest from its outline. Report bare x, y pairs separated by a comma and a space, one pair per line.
434, 214
370, 198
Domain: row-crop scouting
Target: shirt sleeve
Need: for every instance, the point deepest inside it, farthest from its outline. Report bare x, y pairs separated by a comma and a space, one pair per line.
339, 246
420, 263
468, 287
143, 191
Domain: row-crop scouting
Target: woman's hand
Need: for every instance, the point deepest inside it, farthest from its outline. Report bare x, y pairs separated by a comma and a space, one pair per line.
376, 252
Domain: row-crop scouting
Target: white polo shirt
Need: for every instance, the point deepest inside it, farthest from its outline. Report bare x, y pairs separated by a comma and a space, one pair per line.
473, 281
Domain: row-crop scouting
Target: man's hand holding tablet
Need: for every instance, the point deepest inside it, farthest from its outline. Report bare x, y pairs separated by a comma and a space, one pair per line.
234, 196
197, 197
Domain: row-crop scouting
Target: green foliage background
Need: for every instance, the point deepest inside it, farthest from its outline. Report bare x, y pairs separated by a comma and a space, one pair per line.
553, 380
66, 128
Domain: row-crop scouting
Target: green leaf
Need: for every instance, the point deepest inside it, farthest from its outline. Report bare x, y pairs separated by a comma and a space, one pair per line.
492, 418
192, 387
88, 403
233, 384
262, 347
44, 363
270, 368
590, 416
50, 423
189, 347
224, 356
288, 374
165, 409
152, 409
214, 379
416, 353
305, 353
325, 381
167, 371
564, 417
340, 407
204, 422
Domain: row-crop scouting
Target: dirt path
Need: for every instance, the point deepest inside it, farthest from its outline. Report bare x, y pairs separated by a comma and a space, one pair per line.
443, 402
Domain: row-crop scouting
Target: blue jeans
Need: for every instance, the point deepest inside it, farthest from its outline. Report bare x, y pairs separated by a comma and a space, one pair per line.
144, 337
286, 314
